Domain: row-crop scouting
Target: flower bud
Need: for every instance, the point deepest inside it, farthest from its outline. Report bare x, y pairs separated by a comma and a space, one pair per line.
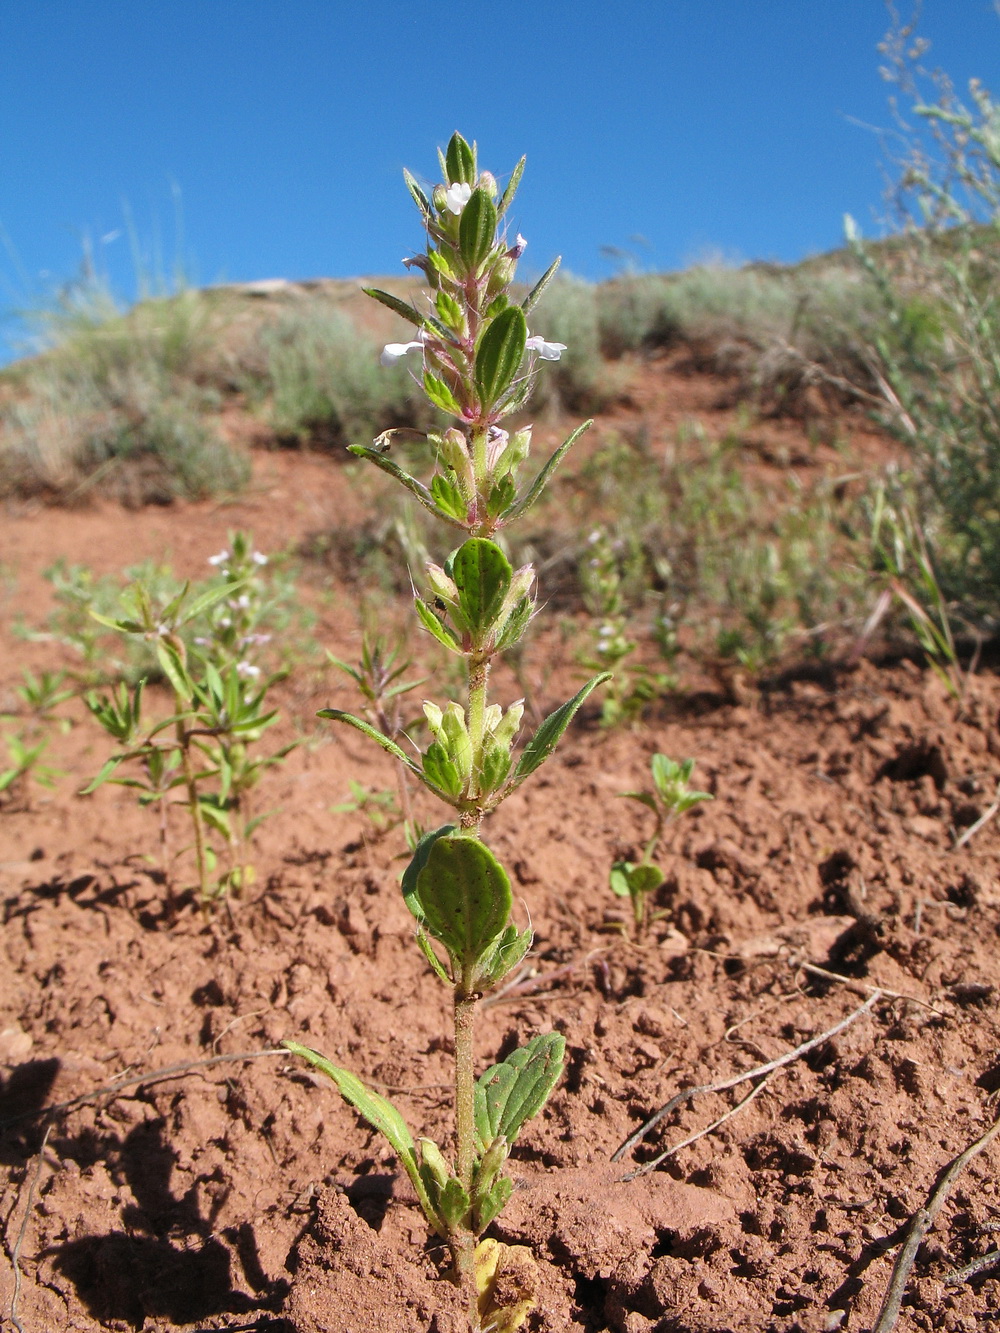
455, 739
440, 198
434, 717
504, 733
488, 182
452, 447
442, 585
501, 276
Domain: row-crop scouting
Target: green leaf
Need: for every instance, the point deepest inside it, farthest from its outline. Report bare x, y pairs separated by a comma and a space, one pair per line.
507, 197
394, 303
440, 395
496, 766
531, 299
629, 880
545, 475
394, 470
427, 949
546, 738
390, 746
502, 494
500, 353
516, 623
208, 599
380, 1114
482, 575
509, 950
465, 897
417, 862
512, 1092
449, 310
460, 162
477, 229
173, 668
441, 771
105, 773
418, 196
491, 1204
448, 497
440, 631
453, 1203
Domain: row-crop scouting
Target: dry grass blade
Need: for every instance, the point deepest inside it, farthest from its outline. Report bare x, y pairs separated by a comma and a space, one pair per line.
920, 1224
687, 1094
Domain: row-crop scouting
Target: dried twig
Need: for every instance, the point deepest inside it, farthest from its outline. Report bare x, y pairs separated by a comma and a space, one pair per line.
157, 1076
15, 1254
981, 1265
687, 1094
920, 1224
709, 1129
866, 988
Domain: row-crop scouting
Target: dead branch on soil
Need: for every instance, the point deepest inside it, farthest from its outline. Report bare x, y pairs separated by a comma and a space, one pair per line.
761, 1072
15, 1254
157, 1076
864, 987
920, 1224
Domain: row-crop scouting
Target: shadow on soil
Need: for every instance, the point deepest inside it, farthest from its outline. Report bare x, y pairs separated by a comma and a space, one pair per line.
168, 1262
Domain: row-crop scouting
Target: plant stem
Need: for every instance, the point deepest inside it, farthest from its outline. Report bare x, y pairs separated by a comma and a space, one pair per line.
463, 1242
191, 784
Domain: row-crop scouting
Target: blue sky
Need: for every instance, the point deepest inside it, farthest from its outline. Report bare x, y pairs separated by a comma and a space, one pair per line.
707, 127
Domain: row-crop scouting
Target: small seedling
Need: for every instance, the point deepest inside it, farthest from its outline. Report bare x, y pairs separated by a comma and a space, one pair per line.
478, 363
670, 798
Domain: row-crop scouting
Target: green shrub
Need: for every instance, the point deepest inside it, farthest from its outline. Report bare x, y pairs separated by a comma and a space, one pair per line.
326, 384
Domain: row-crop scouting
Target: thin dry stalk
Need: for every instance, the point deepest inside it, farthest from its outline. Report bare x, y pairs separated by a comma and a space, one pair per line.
709, 1129
139, 1080
864, 988
984, 818
688, 1094
15, 1254
920, 1224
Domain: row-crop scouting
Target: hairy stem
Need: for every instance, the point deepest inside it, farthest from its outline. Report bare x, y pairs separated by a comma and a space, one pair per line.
463, 1242
479, 672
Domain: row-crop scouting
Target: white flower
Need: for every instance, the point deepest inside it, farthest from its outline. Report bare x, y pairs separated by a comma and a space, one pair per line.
259, 559
547, 351
518, 248
457, 196
218, 559
393, 352
247, 670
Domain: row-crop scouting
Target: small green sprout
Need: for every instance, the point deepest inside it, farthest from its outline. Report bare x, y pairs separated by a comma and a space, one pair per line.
670, 798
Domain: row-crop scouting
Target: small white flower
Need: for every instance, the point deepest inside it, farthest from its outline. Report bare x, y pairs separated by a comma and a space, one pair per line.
547, 351
241, 603
518, 248
457, 196
247, 670
218, 559
258, 558
393, 352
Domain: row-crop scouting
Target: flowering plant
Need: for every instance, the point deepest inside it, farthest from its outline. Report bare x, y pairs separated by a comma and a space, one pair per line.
478, 363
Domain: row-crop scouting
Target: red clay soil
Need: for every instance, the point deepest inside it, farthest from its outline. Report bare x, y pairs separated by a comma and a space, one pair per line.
245, 1194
